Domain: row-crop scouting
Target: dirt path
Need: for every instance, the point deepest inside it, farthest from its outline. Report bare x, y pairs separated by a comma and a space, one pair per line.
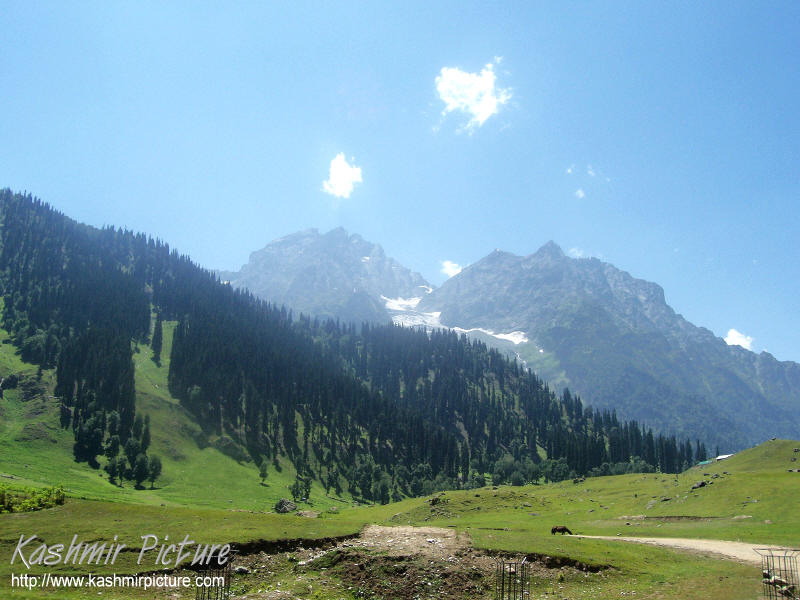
740, 551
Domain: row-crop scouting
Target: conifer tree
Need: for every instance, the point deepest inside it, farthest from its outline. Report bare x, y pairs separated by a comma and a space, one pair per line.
153, 470
262, 471
158, 336
140, 469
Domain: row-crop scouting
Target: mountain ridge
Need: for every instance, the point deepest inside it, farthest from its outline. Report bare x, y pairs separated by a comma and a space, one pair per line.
572, 308
577, 322
382, 411
335, 274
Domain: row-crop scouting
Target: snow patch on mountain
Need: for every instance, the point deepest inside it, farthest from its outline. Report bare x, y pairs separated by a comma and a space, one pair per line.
403, 313
515, 337
401, 304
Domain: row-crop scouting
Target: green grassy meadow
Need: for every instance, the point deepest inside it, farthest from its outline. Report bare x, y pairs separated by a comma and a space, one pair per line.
215, 498
35, 451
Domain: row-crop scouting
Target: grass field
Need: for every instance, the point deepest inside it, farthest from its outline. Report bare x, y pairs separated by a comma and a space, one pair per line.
214, 498
36, 452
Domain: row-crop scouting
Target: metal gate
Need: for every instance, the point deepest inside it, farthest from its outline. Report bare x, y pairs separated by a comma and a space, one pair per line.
779, 574
512, 579
215, 583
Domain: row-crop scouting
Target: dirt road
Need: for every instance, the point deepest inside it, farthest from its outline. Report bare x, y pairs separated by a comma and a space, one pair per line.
740, 551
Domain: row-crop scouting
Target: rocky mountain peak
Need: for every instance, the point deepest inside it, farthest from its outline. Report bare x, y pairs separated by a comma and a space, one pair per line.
332, 274
550, 250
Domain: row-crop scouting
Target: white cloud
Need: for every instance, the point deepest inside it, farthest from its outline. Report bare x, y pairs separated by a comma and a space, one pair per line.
570, 169
342, 177
474, 94
450, 268
590, 171
580, 194
575, 253
737, 338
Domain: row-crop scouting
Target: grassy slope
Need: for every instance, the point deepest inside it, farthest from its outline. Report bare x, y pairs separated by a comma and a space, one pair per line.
758, 486
198, 483
36, 452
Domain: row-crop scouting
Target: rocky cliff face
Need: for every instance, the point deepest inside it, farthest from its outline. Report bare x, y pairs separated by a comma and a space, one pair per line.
614, 339
581, 323
328, 275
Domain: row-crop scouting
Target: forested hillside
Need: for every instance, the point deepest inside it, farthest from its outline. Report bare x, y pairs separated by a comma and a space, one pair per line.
382, 411
614, 339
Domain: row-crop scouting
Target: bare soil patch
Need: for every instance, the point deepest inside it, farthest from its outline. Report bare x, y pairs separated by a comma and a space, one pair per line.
397, 563
433, 542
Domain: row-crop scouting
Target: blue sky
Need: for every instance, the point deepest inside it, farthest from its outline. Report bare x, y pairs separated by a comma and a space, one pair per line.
660, 137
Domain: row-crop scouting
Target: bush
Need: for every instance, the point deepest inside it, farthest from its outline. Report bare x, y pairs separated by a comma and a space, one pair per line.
28, 500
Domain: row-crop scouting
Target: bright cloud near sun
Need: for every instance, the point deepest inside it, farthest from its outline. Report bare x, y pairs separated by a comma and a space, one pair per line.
737, 338
474, 94
450, 268
342, 177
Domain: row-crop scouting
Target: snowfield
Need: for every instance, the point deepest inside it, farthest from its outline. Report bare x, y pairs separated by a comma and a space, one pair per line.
403, 313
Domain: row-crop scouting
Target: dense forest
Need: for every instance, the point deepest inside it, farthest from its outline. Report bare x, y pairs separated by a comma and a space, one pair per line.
382, 411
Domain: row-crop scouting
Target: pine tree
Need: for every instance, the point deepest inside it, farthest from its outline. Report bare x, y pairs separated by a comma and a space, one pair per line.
140, 469
146, 434
158, 336
112, 468
138, 426
153, 470
122, 467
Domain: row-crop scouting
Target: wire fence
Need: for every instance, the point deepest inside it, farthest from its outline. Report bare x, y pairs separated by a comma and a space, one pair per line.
216, 583
779, 575
512, 579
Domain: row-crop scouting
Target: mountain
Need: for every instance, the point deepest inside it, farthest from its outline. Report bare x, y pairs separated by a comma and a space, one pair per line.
614, 339
333, 275
376, 412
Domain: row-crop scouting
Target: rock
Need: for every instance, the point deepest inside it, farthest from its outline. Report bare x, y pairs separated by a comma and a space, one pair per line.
699, 484
241, 570
285, 506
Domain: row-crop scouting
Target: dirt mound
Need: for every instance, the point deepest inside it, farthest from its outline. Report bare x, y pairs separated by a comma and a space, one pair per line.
397, 563
410, 577
433, 542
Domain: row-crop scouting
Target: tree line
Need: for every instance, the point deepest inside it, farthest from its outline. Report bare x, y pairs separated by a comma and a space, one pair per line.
380, 410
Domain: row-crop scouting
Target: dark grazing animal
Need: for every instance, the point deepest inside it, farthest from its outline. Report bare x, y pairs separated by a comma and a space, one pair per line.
562, 529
